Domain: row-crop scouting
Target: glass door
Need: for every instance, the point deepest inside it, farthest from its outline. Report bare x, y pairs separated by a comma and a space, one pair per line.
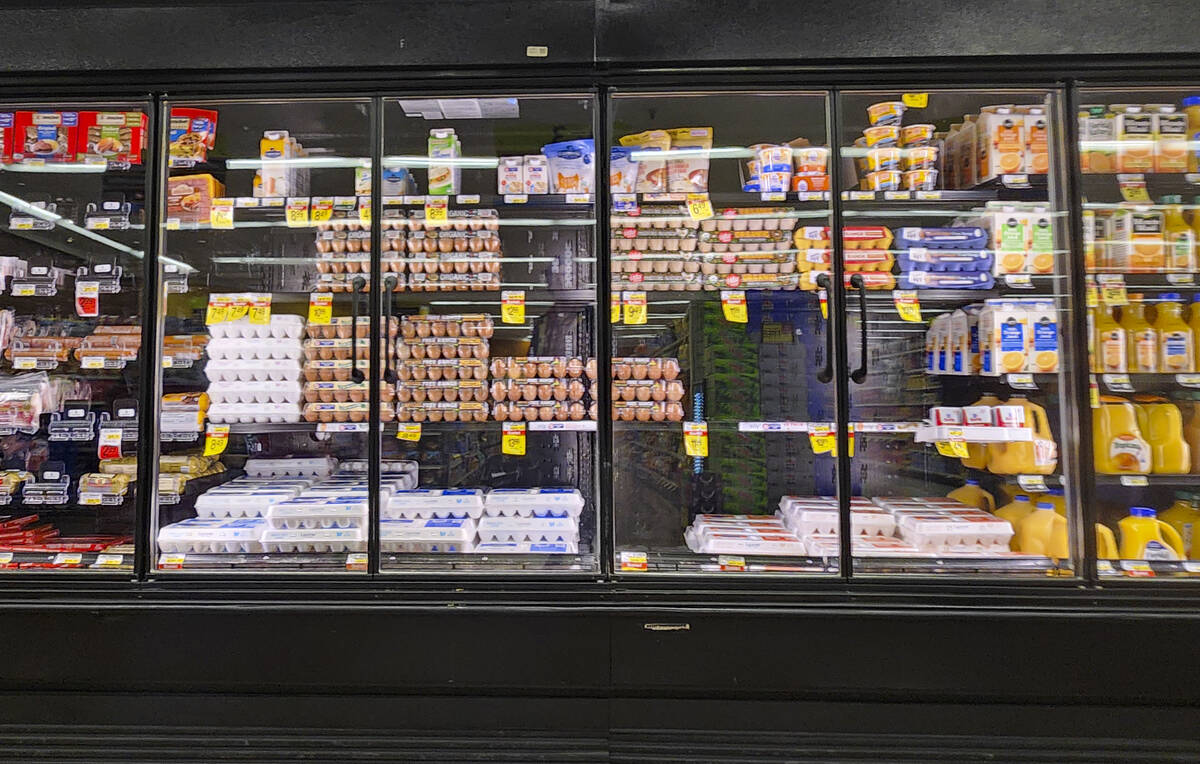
265, 336
721, 381
955, 249
73, 186
1141, 221
489, 274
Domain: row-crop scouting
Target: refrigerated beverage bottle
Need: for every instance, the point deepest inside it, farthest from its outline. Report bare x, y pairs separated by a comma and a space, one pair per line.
1106, 542
973, 496
1043, 531
1117, 442
1194, 319
1110, 343
1145, 537
1184, 516
1190, 406
1162, 427
1141, 338
1058, 499
1195, 221
1014, 512
1038, 456
1181, 239
1191, 107
977, 453
1177, 344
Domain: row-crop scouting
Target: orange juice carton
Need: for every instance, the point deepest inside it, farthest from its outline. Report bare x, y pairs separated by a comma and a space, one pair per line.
510, 175
964, 341
1000, 147
1097, 231
1138, 241
1004, 337
1037, 154
979, 416
1134, 134
1009, 227
1170, 138
1097, 136
1043, 330
948, 416
1041, 241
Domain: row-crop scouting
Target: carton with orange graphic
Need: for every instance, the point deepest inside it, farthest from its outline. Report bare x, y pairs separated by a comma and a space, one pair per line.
1037, 154
1043, 337
1134, 129
1004, 337
1000, 132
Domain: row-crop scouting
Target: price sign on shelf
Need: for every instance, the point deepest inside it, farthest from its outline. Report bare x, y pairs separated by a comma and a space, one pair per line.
615, 309
218, 309
908, 305
168, 561
822, 438
108, 445
322, 209
436, 209
239, 306
409, 431
296, 212
260, 308
733, 304
216, 438
512, 306
1033, 483
109, 560
513, 440
634, 561
1133, 188
1112, 289
1094, 392
357, 561
958, 444
635, 307
915, 100
823, 299
699, 206
695, 438
364, 210
320, 308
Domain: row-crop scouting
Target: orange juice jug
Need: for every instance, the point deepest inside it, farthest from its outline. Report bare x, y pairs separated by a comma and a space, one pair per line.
973, 496
1117, 442
1191, 107
1195, 219
977, 453
1142, 353
1106, 543
1176, 343
1038, 456
1190, 406
1145, 537
1043, 531
1110, 343
1013, 512
1181, 239
1184, 517
1161, 424
1058, 499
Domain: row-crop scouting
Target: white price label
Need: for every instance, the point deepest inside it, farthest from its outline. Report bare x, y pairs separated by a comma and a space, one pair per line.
516, 198
171, 561
466, 199
1188, 380
1134, 481
1117, 382
1021, 381
1034, 483
68, 558
109, 560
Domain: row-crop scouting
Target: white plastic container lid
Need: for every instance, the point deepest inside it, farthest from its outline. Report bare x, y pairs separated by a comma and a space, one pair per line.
527, 547
416, 503
533, 501
428, 529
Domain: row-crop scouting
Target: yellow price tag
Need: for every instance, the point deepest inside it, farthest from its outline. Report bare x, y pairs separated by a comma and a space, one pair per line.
410, 432
364, 211
320, 308
216, 437
915, 100
512, 307
220, 214
695, 438
958, 446
296, 212
908, 305
435, 209
849, 440
944, 448
239, 306
635, 307
513, 440
218, 309
615, 309
823, 440
699, 207
1092, 296
733, 304
1094, 392
260, 308
322, 209
1114, 295
1133, 188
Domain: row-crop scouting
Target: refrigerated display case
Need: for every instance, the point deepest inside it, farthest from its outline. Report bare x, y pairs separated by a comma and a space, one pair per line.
73, 193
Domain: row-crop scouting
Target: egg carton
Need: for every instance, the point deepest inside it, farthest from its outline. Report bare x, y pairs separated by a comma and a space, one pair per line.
281, 326
393, 469
243, 502
318, 512
746, 543
266, 483
262, 370
313, 540
255, 392
231, 413
526, 547
806, 522
424, 503
204, 535
317, 466
941, 531
533, 502
229, 348
528, 529
434, 534
827, 545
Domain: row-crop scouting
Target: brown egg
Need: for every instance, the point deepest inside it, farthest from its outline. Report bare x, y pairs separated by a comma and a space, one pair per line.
529, 392
592, 390
310, 414
643, 414
420, 372
453, 329
326, 395
544, 391
478, 372
429, 246
481, 415
593, 410
485, 329
515, 413
476, 244
500, 412
419, 395
450, 394
589, 368
437, 328
576, 412
626, 414
675, 390
423, 329
418, 415
529, 370
435, 394
574, 368
628, 392
449, 373
675, 412
670, 367
418, 352
544, 369
658, 413
445, 246
358, 393
434, 373
460, 245
658, 391
450, 415
435, 415
481, 351
432, 352
654, 370
560, 411
338, 416
491, 244
386, 414
642, 392
408, 329
622, 371
358, 415
546, 413
499, 391
574, 390
450, 351
638, 371
403, 415
558, 368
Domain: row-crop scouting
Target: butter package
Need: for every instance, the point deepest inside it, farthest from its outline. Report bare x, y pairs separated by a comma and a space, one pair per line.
444, 178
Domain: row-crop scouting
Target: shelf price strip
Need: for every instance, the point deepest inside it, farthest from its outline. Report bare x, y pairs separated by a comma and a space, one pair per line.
409, 431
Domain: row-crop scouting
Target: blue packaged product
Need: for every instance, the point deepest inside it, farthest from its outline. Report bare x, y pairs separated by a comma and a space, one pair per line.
945, 260
960, 237
931, 280
572, 166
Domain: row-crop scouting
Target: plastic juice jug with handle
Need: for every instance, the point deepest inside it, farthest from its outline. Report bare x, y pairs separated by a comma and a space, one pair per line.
1194, 318
1181, 239
1013, 512
1117, 442
1142, 350
1038, 456
1162, 427
1195, 216
1058, 499
1043, 531
1189, 404
1106, 543
1184, 517
977, 453
1110, 343
1176, 343
1191, 107
1145, 537
973, 496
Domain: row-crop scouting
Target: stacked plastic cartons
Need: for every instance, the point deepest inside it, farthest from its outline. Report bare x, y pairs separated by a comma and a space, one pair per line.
742, 534
430, 520
815, 519
784, 393
254, 370
530, 521
946, 526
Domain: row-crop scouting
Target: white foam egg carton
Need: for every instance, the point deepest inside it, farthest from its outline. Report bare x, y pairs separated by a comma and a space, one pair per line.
776, 541
533, 502
421, 503
942, 531
233, 413
433, 534
805, 522
231, 348
281, 326
315, 466
313, 540
318, 512
528, 529
263, 391
827, 545
265, 370
526, 547
247, 502
206, 535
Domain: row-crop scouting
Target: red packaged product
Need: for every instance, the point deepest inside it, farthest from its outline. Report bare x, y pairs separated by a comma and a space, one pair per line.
192, 133
7, 135
118, 136
46, 135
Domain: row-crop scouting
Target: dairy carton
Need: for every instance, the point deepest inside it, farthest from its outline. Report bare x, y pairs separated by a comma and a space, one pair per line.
1037, 155
1000, 136
1003, 337
537, 174
443, 177
1043, 340
1040, 258
1010, 234
964, 341
510, 175
1137, 243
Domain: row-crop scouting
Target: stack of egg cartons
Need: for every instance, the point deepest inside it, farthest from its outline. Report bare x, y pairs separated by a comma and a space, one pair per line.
254, 370
946, 526
530, 521
430, 520
815, 519
741, 534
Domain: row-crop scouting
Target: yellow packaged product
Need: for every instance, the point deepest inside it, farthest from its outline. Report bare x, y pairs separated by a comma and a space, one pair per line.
1117, 442
882, 136
883, 180
126, 465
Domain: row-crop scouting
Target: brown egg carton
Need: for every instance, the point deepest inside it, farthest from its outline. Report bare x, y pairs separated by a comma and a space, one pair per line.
645, 368
345, 392
466, 391
647, 411
435, 348
542, 367
553, 390
643, 390
442, 369
540, 411
442, 412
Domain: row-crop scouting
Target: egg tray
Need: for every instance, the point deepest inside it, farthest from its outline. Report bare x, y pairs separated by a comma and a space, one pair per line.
434, 502
343, 242
433, 325
336, 412
638, 368
313, 540
442, 412
254, 392
333, 371
280, 326
233, 413
774, 237
344, 392
643, 390
238, 348
542, 367
437, 348
707, 265
530, 547
538, 389
448, 391
946, 260
340, 327
932, 280
542, 411
647, 411
454, 282
479, 219
441, 369
533, 502
342, 349
445, 533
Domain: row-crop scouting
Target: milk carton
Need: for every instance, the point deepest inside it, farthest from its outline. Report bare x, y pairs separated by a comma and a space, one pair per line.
510, 175
444, 178
537, 174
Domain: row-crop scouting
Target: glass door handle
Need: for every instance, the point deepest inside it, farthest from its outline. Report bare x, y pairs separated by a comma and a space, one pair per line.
859, 375
389, 376
825, 376
356, 288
